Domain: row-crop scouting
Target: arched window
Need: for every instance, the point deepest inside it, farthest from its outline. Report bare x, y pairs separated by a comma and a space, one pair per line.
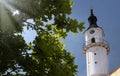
93, 40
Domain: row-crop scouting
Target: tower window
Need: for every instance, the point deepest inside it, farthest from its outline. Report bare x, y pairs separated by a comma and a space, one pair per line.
92, 31
95, 62
94, 53
93, 40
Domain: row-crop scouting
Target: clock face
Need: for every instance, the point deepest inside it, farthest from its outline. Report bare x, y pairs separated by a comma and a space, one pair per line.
92, 31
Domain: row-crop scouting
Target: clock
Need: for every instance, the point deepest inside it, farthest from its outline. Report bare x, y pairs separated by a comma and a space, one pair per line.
92, 31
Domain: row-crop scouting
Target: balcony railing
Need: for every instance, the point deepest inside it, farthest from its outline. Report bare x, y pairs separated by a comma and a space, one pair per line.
96, 41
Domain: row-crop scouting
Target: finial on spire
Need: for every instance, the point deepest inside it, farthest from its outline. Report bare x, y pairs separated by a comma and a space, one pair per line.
91, 10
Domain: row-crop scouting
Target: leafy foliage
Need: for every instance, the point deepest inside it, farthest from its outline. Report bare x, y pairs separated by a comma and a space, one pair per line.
45, 56
44, 11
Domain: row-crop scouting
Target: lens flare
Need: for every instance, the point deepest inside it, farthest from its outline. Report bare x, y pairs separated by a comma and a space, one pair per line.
6, 23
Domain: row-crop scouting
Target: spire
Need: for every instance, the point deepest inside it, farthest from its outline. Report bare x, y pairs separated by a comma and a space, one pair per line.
91, 12
92, 20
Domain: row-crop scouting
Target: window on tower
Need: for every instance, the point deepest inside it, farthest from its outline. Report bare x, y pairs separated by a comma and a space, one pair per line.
95, 62
93, 40
94, 53
92, 31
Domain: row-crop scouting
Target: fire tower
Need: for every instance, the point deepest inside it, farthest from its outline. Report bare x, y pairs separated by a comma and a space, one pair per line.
96, 49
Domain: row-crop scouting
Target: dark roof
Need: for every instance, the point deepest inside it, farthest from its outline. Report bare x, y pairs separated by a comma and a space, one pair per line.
92, 20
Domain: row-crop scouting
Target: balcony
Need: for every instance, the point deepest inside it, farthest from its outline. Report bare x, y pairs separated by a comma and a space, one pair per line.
96, 42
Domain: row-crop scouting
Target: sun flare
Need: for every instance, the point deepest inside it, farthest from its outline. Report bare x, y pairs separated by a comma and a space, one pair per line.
3, 2
5, 18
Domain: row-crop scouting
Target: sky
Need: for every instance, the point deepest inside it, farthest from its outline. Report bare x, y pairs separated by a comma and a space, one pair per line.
108, 15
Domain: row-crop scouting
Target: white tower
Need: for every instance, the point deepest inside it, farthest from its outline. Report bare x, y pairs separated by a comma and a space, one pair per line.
96, 49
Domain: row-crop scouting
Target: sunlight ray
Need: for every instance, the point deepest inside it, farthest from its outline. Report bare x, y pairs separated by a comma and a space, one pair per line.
6, 23
7, 5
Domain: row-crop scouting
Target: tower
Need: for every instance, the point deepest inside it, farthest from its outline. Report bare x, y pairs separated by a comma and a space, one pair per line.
96, 49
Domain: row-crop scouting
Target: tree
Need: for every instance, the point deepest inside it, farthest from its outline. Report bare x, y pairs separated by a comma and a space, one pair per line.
46, 55
12, 43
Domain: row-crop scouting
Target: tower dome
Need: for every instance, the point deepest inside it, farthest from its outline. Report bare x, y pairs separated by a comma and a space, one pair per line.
92, 20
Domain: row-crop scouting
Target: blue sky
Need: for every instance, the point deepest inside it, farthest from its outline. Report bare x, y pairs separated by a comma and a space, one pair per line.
108, 15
